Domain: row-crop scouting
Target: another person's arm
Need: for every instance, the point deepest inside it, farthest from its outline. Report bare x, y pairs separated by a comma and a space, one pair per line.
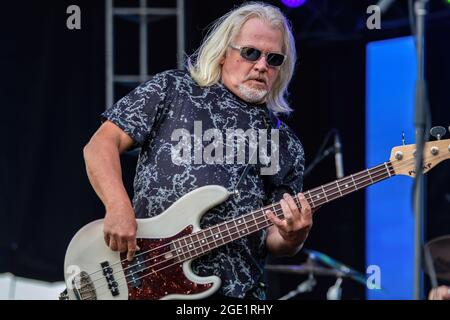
439, 293
102, 159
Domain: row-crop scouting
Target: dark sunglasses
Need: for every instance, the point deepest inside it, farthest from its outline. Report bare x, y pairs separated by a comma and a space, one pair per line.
252, 54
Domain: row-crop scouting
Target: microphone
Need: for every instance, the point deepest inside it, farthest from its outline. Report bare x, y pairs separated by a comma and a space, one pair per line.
384, 5
338, 156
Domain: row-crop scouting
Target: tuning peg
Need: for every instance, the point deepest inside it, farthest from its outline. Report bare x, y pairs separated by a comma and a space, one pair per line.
403, 137
438, 132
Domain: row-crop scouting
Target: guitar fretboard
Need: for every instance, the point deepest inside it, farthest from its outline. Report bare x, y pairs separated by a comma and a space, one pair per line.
201, 242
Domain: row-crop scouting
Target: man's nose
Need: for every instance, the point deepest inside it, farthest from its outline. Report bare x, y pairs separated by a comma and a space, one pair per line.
261, 64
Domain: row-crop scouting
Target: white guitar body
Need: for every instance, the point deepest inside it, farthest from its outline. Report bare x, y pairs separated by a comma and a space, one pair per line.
87, 251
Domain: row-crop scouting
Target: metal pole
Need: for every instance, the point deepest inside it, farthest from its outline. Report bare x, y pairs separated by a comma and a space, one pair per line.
109, 53
180, 34
143, 66
420, 124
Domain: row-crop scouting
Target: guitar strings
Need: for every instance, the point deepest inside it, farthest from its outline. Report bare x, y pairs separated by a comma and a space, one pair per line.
375, 175
331, 194
375, 172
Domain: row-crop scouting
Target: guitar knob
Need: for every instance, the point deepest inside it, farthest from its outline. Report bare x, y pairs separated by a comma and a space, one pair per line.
399, 155
438, 132
434, 151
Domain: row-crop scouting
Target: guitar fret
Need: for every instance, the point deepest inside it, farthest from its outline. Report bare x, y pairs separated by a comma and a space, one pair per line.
180, 250
251, 219
207, 240
198, 244
238, 226
262, 217
235, 232
208, 235
225, 232
312, 202
347, 188
194, 245
190, 246
183, 249
311, 195
217, 237
324, 194
274, 210
257, 216
246, 231
339, 189
368, 172
246, 225
203, 242
176, 247
229, 233
391, 169
387, 169
256, 220
354, 183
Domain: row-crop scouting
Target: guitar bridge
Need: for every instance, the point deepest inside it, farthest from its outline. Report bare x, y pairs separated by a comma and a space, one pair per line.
83, 287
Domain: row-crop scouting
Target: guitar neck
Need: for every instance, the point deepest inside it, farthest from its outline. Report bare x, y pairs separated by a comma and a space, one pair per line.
201, 242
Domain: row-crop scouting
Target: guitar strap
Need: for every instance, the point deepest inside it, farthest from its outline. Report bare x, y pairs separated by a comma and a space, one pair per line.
270, 123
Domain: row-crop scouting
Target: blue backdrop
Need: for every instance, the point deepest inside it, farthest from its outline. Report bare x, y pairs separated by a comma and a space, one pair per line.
391, 74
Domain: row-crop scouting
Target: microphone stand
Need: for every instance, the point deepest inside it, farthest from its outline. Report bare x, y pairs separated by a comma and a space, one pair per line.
318, 159
335, 291
305, 286
421, 111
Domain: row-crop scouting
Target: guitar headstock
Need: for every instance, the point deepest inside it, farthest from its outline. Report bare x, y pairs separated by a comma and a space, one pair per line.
403, 158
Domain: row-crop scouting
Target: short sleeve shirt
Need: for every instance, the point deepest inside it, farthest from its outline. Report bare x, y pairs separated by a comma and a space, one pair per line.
178, 126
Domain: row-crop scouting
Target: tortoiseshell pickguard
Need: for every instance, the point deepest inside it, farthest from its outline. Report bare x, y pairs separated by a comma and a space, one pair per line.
169, 277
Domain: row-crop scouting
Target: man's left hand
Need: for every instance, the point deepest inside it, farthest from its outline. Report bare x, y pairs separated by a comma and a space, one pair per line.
297, 222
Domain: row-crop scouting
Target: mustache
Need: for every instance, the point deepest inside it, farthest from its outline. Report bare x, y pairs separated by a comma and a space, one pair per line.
261, 78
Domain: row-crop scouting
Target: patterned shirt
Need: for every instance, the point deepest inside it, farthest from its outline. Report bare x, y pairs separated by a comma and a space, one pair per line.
172, 101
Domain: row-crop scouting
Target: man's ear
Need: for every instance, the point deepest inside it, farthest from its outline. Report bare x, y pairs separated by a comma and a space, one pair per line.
222, 59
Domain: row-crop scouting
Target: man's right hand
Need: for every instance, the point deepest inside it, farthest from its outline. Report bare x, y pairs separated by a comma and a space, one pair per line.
102, 158
120, 230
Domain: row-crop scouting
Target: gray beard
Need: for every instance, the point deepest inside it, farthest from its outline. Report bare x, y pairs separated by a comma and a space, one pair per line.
252, 95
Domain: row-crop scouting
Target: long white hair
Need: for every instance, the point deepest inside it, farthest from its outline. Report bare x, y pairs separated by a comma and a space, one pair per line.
204, 65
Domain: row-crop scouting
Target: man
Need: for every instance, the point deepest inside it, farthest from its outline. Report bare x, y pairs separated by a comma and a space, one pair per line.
238, 80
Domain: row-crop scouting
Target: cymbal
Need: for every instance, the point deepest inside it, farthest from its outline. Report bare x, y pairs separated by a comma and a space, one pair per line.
336, 265
439, 249
305, 269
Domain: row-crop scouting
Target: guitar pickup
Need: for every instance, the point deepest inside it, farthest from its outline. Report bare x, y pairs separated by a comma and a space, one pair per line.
109, 275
